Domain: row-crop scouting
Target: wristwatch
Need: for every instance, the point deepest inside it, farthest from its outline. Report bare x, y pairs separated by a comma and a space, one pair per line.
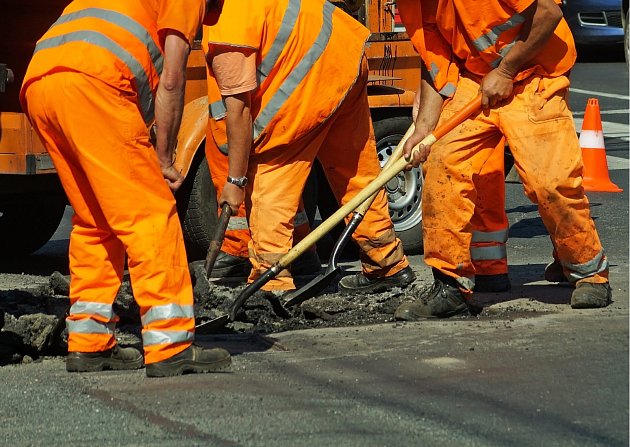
238, 181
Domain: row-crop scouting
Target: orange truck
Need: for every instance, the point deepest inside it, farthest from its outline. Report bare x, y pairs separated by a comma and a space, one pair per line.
32, 201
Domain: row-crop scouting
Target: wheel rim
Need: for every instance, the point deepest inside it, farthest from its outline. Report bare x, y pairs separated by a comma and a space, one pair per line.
404, 191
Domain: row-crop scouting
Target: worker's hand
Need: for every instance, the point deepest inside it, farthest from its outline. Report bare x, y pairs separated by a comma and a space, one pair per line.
419, 156
495, 87
233, 195
172, 176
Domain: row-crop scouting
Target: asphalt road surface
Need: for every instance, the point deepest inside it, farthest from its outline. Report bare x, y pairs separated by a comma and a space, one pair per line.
532, 372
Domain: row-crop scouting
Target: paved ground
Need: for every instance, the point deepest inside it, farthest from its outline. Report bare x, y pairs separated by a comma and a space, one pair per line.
532, 371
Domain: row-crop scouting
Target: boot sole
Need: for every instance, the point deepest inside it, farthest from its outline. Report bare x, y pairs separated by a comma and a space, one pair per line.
187, 366
95, 365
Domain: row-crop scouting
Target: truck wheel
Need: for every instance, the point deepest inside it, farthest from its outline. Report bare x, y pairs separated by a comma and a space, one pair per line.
28, 221
197, 208
404, 192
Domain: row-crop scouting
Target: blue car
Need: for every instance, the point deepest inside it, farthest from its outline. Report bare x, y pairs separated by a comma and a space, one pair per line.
594, 22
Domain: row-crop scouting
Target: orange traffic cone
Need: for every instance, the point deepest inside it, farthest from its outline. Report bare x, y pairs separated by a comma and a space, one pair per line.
595, 175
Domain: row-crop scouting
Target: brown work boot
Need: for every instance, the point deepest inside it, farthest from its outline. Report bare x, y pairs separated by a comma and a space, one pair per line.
193, 359
554, 272
439, 300
588, 295
115, 358
360, 283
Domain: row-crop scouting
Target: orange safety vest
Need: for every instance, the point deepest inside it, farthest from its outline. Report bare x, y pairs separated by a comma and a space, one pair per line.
115, 41
308, 57
452, 43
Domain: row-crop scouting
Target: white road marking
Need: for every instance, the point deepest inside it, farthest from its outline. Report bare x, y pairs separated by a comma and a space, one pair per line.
611, 130
595, 94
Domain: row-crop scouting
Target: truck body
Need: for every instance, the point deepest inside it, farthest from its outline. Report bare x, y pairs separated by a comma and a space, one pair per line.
32, 201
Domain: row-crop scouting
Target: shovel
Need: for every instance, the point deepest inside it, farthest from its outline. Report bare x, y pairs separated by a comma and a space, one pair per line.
320, 282
385, 175
217, 239
213, 251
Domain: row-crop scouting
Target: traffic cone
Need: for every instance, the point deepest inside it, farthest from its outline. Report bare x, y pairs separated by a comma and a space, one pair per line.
595, 175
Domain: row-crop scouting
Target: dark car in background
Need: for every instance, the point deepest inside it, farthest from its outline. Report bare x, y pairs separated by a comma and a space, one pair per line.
594, 22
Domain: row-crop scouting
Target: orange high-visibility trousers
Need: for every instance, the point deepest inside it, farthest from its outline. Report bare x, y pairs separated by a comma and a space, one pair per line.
345, 146
237, 234
539, 129
100, 146
489, 222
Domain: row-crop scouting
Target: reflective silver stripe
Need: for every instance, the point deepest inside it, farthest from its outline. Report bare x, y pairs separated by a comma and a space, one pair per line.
596, 265
433, 72
448, 90
490, 38
298, 74
238, 223
92, 308
490, 236
300, 219
142, 81
124, 21
167, 312
165, 337
89, 327
217, 110
493, 252
505, 50
285, 30
466, 283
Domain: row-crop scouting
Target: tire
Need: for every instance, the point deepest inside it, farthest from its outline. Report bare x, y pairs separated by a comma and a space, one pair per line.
404, 192
197, 208
28, 221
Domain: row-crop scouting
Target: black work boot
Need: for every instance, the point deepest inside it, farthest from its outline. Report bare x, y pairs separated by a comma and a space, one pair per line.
492, 283
589, 295
229, 266
439, 300
193, 359
360, 283
554, 272
115, 358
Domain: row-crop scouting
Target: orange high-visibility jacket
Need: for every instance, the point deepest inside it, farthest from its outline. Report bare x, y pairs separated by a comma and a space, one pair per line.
474, 36
119, 42
303, 73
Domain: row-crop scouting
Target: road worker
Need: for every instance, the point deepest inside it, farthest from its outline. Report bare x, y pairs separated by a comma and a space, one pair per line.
518, 55
102, 73
233, 260
293, 79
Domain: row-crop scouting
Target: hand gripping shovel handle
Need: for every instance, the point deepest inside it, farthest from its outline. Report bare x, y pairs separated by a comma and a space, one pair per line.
217, 239
386, 175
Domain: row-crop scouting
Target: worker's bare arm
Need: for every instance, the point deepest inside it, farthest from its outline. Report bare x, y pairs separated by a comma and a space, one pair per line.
429, 108
169, 104
541, 19
239, 133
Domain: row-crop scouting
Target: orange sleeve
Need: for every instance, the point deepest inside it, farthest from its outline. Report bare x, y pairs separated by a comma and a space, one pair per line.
183, 16
235, 71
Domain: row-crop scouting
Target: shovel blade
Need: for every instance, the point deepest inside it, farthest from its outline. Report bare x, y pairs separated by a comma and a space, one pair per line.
313, 288
211, 326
